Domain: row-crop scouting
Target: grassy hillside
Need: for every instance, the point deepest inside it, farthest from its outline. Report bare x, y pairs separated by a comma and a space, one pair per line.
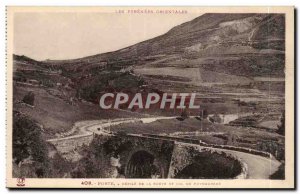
215, 55
209, 34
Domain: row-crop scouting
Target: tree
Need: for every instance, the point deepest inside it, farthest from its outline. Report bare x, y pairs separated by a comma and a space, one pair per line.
184, 114
29, 98
281, 127
203, 114
28, 143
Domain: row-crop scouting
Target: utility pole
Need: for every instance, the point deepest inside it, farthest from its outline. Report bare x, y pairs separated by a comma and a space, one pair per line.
201, 119
109, 125
238, 112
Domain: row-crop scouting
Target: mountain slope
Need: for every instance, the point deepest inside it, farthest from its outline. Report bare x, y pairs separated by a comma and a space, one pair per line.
256, 41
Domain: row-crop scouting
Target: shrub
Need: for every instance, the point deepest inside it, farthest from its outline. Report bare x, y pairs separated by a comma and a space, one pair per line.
29, 98
279, 174
281, 127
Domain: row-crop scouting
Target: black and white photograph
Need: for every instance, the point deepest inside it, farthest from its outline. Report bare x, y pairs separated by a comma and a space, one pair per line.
179, 97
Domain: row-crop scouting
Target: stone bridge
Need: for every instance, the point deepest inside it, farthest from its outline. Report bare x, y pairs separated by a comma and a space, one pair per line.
146, 156
158, 157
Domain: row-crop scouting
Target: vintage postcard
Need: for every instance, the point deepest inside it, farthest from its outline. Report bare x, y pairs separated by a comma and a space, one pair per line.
150, 97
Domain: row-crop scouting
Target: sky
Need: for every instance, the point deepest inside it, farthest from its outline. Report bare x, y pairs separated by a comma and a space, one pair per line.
46, 35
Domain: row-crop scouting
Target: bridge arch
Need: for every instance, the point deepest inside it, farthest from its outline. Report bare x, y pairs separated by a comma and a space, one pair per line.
141, 165
210, 165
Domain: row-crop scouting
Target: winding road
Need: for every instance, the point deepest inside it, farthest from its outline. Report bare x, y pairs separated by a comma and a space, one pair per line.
259, 167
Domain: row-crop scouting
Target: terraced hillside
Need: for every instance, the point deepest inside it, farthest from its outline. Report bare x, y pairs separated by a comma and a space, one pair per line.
233, 62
